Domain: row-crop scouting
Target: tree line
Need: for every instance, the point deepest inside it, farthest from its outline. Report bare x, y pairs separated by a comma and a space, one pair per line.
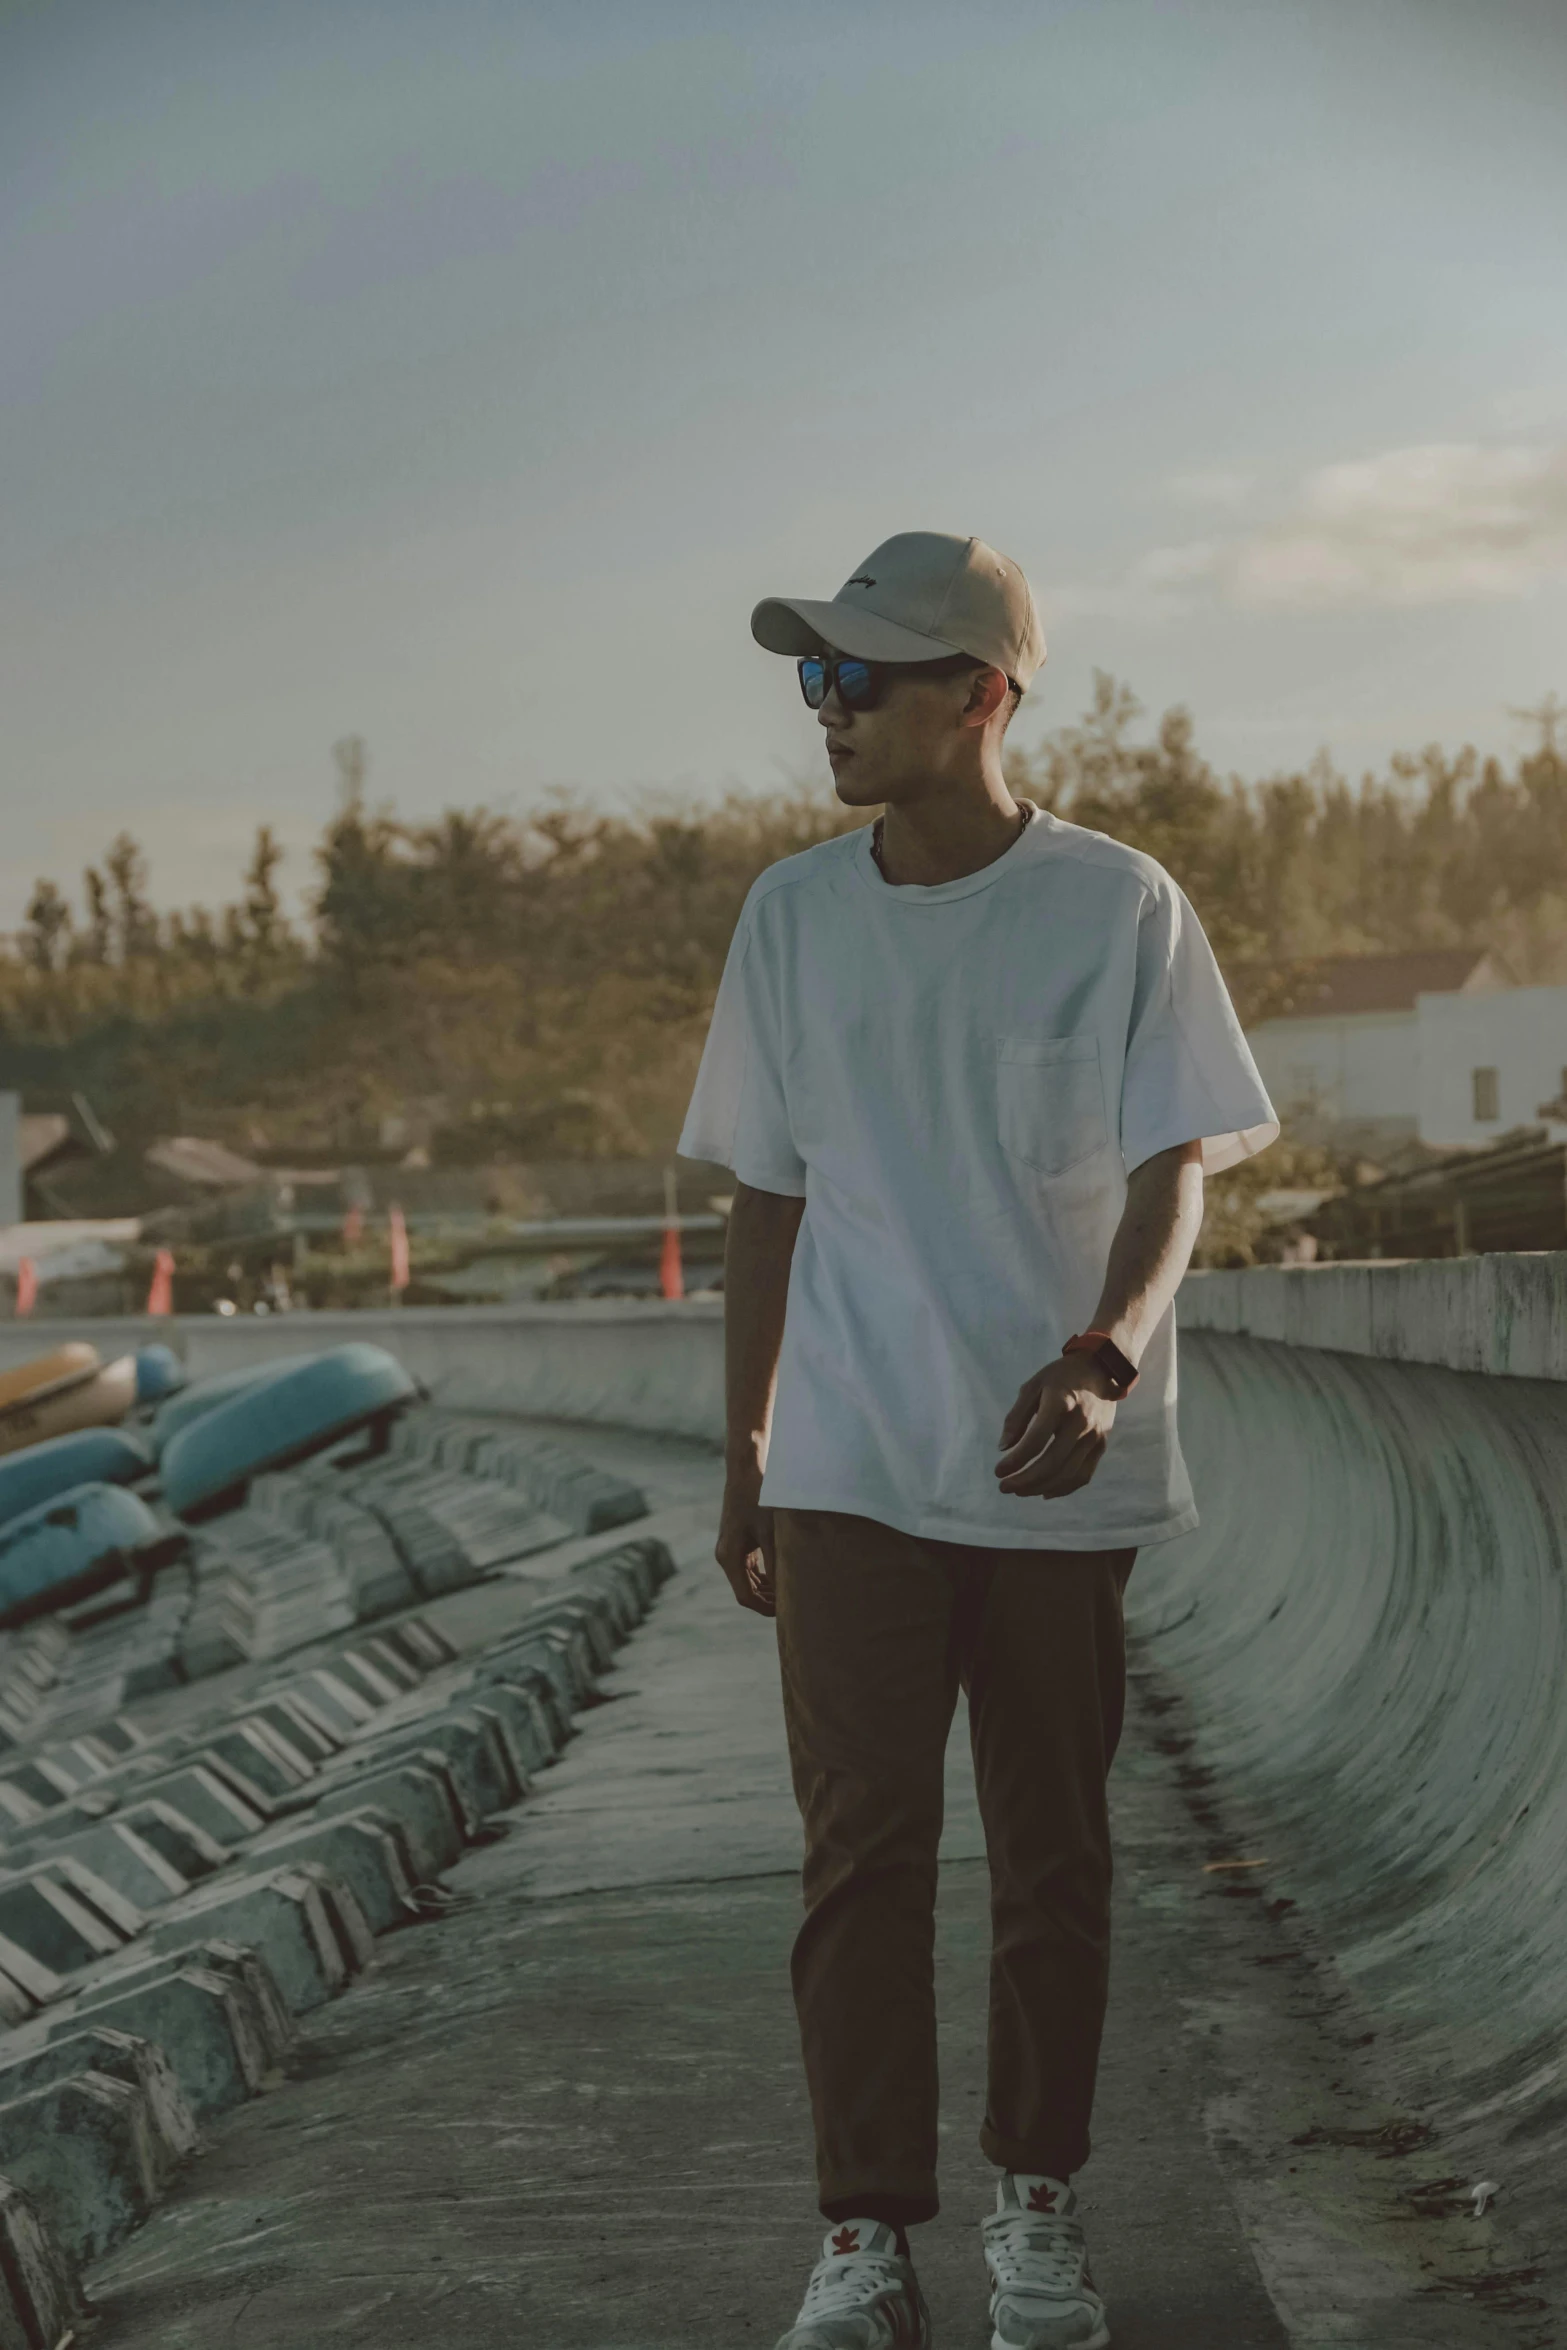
539, 985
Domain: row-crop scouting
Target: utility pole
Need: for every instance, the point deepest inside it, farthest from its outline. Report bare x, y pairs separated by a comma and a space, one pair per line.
350, 757
1549, 718
11, 1186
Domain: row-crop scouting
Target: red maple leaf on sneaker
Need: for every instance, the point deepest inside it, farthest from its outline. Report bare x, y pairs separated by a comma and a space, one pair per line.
846, 2240
1042, 2197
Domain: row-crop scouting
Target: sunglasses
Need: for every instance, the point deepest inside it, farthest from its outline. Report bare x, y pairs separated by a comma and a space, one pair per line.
858, 684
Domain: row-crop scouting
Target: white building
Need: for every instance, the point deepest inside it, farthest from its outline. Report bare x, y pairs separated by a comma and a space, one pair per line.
1435, 1045
1488, 1063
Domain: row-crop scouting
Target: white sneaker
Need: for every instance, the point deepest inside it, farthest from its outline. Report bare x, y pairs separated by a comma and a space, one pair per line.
1042, 2294
863, 2295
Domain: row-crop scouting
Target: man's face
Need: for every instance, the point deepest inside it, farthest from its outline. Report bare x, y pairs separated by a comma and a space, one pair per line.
907, 744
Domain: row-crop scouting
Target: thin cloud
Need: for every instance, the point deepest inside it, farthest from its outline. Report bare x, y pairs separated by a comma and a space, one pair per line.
1217, 486
1452, 522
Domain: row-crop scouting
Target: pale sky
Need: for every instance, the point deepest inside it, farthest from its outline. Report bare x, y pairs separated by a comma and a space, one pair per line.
459, 374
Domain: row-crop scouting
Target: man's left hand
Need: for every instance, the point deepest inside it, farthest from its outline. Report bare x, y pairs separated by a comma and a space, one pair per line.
1055, 1434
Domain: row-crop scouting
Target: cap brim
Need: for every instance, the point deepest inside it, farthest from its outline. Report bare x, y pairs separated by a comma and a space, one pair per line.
783, 625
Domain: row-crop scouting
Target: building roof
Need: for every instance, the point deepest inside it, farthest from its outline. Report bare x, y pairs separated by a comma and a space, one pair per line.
1507, 1196
1333, 987
45, 1134
84, 1244
207, 1166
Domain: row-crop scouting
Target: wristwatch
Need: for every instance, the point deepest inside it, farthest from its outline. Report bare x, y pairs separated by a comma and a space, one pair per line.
1121, 1374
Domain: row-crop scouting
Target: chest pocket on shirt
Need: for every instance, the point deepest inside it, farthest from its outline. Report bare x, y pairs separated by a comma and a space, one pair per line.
1050, 1107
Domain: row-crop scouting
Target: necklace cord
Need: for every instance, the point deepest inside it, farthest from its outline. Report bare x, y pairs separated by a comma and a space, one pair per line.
1025, 816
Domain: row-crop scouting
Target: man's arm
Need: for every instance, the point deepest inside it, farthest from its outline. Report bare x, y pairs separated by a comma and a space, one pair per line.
758, 1250
1055, 1434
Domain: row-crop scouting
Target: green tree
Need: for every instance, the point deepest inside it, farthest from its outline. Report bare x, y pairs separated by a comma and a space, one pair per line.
541, 985
96, 943
134, 926
266, 931
46, 940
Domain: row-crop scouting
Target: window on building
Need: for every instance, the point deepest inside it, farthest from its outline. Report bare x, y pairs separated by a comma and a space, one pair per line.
1487, 1096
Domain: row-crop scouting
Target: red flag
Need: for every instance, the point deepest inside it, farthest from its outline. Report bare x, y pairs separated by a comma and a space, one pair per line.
671, 1273
26, 1285
160, 1297
397, 1233
353, 1226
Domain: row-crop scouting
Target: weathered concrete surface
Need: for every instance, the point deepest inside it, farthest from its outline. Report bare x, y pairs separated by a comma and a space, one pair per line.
1503, 1315
657, 1366
86, 2151
1371, 1628
641, 1365
282, 1915
202, 2023
569, 2112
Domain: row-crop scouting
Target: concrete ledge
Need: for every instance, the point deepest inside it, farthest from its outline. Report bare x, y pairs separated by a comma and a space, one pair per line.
640, 1365
660, 1366
1503, 1315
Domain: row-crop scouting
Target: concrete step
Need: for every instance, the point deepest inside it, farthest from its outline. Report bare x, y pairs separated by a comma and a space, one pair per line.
209, 2025
86, 2150
232, 1876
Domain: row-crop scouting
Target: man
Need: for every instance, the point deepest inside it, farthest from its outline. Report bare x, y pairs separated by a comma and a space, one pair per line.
968, 1066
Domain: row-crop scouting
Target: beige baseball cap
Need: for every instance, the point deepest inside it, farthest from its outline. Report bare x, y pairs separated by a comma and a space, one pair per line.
919, 597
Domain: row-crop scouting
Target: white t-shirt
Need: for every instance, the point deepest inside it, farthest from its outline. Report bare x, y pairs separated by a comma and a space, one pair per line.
957, 1081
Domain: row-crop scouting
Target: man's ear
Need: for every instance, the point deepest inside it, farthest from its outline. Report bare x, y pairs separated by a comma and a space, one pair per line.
988, 689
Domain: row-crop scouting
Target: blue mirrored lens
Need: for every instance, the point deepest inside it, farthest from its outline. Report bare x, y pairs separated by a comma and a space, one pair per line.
813, 681
854, 681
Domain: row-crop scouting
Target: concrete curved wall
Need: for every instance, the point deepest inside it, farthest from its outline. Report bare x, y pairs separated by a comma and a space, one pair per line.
1371, 1628
640, 1365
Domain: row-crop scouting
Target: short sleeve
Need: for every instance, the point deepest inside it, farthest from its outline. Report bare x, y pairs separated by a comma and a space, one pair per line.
1189, 1075
739, 1117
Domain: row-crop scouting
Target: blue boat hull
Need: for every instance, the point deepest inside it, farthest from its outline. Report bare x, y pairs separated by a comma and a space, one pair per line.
208, 1465
193, 1403
93, 1456
159, 1372
73, 1546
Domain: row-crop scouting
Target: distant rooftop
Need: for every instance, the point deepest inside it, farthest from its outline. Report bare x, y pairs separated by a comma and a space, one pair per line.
1333, 987
210, 1166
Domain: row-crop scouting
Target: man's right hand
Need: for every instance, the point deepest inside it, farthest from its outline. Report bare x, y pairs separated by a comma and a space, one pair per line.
745, 1542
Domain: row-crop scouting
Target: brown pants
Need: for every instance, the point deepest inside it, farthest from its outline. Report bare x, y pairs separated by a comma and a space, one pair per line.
876, 1632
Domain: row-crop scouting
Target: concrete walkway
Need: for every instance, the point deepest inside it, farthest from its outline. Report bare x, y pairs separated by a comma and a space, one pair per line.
569, 2112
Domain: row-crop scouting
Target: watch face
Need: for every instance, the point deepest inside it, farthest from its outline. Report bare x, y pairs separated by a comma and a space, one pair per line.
1121, 1374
